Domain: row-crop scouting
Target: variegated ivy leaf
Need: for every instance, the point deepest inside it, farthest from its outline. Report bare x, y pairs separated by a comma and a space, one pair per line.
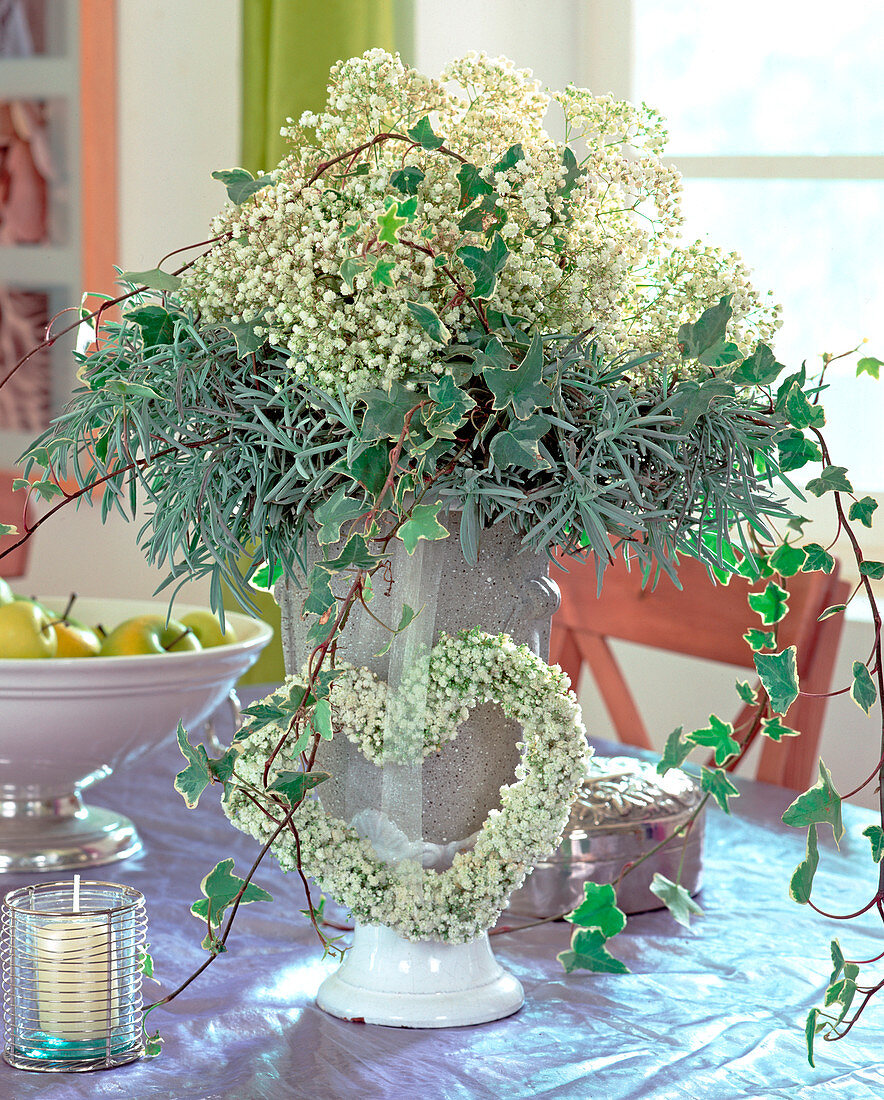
775, 730
518, 446
422, 524
746, 692
390, 222
338, 510
676, 899
718, 736
873, 569
320, 719
429, 321
876, 838
355, 555
697, 337
8, 529
801, 413
422, 134
772, 604
835, 609
787, 560
778, 673
820, 804
155, 279
833, 479
293, 786
863, 691
760, 369
588, 952
761, 639
599, 910
817, 559
717, 784
485, 264
220, 888
796, 451
156, 325
801, 884
248, 340
407, 180
862, 510
193, 780
675, 751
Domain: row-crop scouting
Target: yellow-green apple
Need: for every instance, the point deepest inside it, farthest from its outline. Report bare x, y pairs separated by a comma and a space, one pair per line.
208, 629
148, 634
75, 639
26, 631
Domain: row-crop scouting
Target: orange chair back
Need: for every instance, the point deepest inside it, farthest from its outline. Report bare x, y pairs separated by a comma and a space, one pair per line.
702, 620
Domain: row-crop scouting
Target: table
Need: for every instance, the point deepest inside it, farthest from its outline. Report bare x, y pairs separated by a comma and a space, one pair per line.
715, 1013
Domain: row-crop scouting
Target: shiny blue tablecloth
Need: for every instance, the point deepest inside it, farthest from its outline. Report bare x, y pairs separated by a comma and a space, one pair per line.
713, 1013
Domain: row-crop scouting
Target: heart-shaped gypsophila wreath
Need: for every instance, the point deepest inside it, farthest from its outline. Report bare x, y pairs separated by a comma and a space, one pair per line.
457, 904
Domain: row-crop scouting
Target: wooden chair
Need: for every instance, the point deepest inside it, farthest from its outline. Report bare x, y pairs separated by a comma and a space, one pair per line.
707, 621
12, 510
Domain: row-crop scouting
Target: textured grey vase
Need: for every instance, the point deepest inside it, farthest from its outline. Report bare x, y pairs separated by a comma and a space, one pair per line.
505, 591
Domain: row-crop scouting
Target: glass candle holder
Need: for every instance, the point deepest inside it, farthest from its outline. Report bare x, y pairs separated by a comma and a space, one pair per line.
71, 975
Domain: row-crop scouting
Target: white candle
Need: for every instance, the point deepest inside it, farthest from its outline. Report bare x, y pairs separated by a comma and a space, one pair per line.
76, 984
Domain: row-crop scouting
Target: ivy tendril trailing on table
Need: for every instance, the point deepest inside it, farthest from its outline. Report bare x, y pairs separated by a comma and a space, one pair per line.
625, 433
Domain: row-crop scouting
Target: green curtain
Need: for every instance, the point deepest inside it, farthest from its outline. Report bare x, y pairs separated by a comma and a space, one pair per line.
288, 48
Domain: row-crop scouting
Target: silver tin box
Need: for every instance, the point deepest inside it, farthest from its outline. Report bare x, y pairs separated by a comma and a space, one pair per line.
625, 809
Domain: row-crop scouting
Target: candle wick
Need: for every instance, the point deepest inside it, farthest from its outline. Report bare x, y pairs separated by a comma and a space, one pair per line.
76, 906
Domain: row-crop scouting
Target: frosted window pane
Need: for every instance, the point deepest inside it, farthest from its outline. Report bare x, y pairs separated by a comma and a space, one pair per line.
766, 76
817, 244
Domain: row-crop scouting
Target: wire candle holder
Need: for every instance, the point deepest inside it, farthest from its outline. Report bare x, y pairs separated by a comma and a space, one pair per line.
71, 975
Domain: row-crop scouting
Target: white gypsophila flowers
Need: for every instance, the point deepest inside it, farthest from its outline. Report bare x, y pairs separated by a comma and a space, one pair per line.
457, 904
606, 259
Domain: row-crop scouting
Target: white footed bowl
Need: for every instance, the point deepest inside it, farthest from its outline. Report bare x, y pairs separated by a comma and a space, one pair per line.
66, 723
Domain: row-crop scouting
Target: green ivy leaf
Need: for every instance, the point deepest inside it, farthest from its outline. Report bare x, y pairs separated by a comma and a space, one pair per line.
422, 134
772, 604
697, 337
510, 159
485, 264
718, 736
760, 369
334, 512
385, 413
832, 480
746, 692
778, 673
241, 184
153, 279
520, 388
797, 523
820, 804
872, 569
694, 399
429, 321
472, 186
407, 180
156, 324
518, 446
863, 691
675, 751
811, 1028
355, 555
390, 223
869, 365
588, 952
719, 786
676, 899
876, 838
321, 721
796, 451
451, 406
124, 388
153, 1044
191, 782
145, 962
801, 884
599, 910
775, 730
862, 510
293, 786
219, 888
371, 468
761, 639
422, 524
47, 490
755, 567
800, 412
787, 560
248, 341
816, 559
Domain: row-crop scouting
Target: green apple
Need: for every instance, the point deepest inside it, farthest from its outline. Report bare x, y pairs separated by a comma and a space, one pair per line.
6, 593
208, 629
26, 631
75, 639
148, 634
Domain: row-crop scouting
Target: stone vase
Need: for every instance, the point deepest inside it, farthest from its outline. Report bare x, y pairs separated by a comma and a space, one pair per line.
446, 800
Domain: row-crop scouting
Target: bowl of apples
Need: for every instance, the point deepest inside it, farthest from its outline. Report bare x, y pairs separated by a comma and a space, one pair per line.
87, 689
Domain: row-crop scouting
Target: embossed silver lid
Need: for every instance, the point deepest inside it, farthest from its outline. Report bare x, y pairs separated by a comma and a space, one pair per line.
621, 789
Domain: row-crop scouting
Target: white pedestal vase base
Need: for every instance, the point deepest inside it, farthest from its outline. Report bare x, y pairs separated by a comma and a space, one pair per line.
385, 979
